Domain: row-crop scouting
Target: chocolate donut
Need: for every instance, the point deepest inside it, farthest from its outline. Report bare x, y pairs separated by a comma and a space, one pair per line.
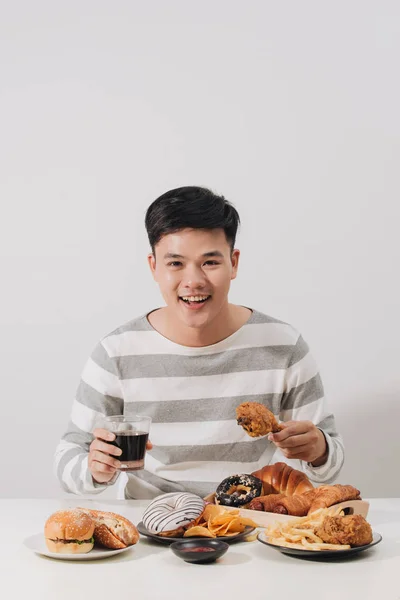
238, 490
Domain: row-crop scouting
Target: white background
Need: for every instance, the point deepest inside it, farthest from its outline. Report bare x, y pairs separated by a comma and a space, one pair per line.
290, 109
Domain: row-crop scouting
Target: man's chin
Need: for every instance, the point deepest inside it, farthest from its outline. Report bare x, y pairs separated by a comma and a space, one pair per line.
195, 318
196, 321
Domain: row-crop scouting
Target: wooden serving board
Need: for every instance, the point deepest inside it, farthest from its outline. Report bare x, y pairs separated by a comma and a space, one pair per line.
263, 519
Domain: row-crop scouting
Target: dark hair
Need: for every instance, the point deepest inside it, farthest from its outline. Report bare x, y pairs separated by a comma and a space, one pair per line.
190, 207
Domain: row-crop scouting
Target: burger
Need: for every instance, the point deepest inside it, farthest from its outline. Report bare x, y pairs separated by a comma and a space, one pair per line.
69, 532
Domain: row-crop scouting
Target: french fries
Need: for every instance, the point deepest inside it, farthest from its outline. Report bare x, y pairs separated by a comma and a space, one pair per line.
216, 521
300, 533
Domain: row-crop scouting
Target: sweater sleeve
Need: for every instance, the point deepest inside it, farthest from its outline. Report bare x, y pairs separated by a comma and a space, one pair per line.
304, 400
98, 395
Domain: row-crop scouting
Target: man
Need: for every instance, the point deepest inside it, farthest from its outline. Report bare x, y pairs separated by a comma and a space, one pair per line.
189, 364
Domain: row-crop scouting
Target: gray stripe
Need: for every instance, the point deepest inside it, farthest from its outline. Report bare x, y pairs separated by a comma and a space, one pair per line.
65, 459
108, 405
201, 488
237, 452
329, 474
233, 361
327, 425
258, 317
101, 358
332, 467
300, 350
206, 409
139, 324
332, 459
340, 452
75, 474
303, 394
75, 435
323, 478
164, 485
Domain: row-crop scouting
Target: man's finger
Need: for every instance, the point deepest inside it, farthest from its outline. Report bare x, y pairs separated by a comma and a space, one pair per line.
105, 459
294, 441
290, 428
149, 445
300, 452
106, 448
104, 434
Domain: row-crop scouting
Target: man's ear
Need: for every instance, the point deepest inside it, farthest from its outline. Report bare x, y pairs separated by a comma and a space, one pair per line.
235, 262
152, 264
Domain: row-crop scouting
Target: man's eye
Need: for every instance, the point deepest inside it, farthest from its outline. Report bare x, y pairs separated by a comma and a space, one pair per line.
174, 263
211, 262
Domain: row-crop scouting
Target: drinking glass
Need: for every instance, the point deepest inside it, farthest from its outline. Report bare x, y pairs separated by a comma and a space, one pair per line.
131, 435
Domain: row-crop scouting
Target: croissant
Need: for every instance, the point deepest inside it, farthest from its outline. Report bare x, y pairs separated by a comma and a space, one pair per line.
266, 503
279, 478
327, 495
296, 506
300, 505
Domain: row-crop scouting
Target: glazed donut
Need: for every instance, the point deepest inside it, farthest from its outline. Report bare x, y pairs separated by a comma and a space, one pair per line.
238, 490
170, 514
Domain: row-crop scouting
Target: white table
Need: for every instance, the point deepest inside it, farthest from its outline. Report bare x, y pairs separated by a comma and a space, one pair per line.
248, 571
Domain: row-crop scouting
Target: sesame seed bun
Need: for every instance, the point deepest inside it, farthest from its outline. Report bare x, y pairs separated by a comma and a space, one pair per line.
69, 532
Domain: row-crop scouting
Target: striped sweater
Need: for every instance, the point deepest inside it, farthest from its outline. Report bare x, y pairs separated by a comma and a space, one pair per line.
191, 394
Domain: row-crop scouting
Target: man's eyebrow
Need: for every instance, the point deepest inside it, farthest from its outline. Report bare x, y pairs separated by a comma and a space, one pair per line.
205, 255
171, 255
213, 253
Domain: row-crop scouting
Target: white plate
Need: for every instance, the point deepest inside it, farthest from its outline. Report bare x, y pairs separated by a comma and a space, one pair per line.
37, 544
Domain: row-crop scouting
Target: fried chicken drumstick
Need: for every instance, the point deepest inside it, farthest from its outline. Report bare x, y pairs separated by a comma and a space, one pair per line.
256, 419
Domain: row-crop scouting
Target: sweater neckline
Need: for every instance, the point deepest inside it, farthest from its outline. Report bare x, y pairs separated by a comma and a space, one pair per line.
218, 346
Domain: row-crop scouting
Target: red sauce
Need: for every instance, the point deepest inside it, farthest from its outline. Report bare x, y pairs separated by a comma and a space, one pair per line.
199, 549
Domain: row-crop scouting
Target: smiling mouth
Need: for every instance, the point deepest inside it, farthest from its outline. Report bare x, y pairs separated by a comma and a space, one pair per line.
194, 300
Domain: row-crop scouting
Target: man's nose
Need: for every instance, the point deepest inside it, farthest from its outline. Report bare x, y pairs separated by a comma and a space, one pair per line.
194, 277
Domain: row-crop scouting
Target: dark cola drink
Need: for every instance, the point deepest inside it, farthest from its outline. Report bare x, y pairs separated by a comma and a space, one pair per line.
133, 446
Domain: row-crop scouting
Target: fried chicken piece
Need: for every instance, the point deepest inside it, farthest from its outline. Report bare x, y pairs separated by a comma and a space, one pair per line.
350, 529
256, 419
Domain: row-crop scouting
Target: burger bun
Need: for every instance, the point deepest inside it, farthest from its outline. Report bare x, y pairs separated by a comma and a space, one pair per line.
64, 530
113, 530
70, 548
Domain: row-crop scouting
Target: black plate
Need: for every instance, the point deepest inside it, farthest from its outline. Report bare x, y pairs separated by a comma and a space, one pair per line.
376, 538
168, 540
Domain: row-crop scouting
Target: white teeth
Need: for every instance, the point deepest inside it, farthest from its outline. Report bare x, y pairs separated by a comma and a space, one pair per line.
194, 298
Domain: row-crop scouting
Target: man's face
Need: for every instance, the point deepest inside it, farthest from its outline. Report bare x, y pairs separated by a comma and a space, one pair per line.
194, 268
